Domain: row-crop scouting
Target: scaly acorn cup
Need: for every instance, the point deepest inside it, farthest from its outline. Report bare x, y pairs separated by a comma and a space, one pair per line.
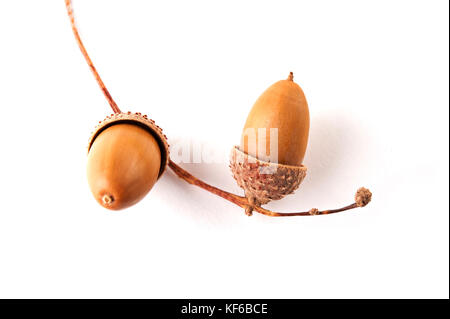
282, 107
128, 152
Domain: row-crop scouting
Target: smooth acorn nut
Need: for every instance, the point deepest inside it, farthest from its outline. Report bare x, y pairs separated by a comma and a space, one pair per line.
283, 107
127, 154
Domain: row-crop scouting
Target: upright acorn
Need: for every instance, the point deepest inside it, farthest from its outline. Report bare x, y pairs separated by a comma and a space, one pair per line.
127, 153
283, 107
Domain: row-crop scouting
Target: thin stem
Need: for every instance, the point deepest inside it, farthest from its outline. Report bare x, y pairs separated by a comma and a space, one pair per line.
243, 202
105, 91
308, 213
181, 173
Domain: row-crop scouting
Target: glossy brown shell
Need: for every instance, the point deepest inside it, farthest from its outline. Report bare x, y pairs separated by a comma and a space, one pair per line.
282, 106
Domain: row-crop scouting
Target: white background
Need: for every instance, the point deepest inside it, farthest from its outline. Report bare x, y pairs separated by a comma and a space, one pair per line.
375, 74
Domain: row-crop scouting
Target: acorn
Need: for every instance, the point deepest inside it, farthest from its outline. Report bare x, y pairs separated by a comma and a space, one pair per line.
127, 153
283, 107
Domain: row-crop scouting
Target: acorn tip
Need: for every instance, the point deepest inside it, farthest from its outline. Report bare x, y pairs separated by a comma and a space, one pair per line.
291, 76
107, 199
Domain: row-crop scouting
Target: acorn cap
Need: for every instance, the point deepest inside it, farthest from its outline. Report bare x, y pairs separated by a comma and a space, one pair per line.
264, 181
142, 121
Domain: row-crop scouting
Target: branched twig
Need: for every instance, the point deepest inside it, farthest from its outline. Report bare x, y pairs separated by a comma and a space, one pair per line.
362, 197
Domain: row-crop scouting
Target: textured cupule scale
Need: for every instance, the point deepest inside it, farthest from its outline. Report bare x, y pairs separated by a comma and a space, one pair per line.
259, 187
138, 119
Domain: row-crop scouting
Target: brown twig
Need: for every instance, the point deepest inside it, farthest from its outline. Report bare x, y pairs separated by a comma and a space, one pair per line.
362, 197
312, 212
105, 91
183, 174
